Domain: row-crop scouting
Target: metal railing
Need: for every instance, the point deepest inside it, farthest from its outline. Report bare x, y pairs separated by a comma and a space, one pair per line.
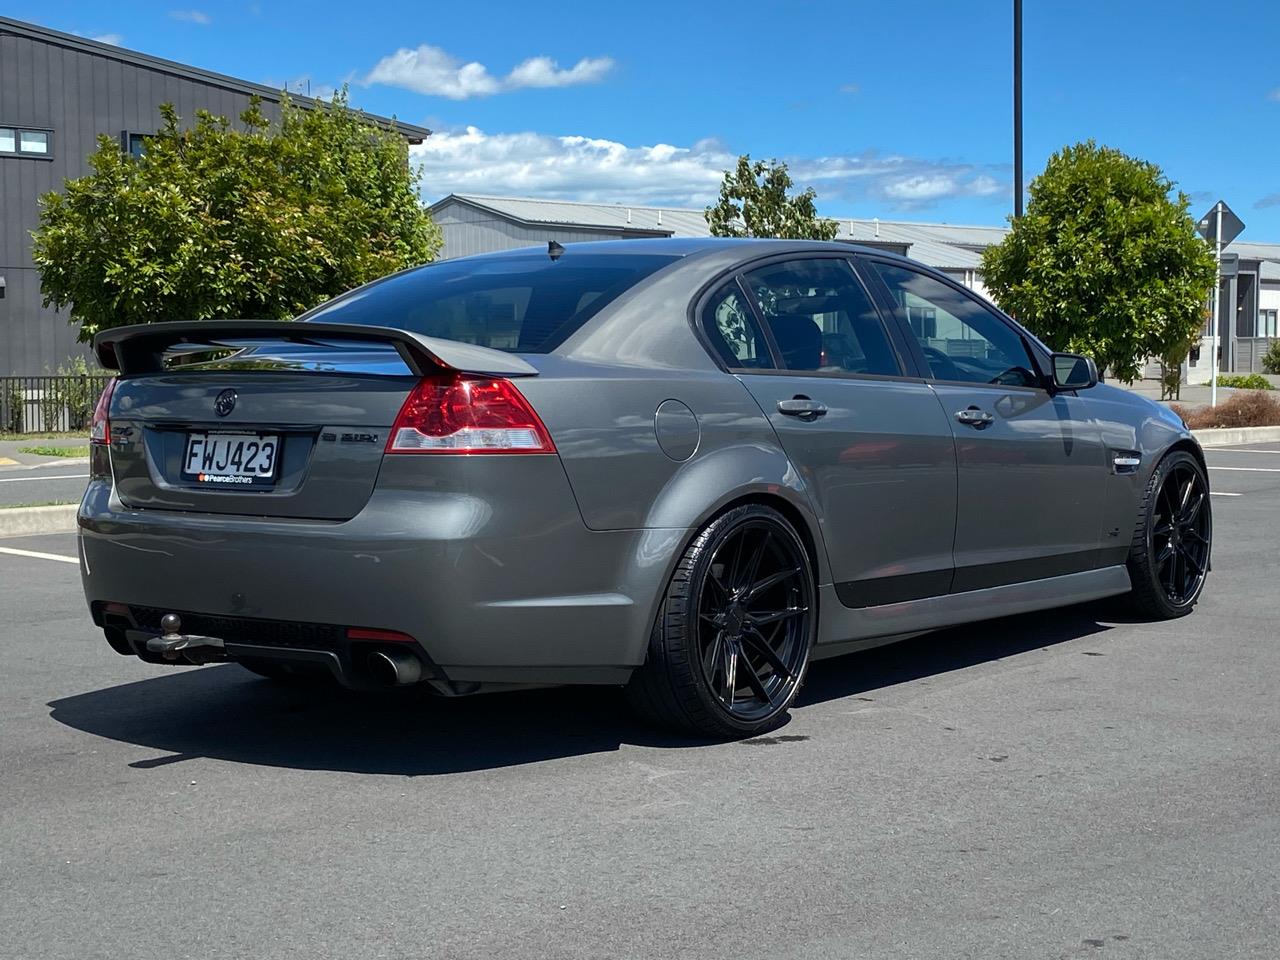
52, 404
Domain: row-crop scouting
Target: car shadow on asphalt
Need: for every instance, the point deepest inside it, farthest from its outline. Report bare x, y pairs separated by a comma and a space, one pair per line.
226, 713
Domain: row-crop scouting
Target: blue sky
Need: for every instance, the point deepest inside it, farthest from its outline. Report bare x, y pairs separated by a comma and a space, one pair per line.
898, 110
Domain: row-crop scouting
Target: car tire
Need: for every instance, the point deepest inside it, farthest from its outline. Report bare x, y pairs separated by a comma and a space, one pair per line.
1170, 553
723, 626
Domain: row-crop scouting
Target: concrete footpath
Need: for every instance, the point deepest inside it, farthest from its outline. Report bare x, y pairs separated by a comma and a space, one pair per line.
39, 493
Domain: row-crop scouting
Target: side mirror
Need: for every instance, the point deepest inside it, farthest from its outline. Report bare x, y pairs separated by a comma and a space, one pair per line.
1074, 372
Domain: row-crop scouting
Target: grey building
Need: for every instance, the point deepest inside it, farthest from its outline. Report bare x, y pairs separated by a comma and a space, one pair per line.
478, 224
1250, 300
58, 93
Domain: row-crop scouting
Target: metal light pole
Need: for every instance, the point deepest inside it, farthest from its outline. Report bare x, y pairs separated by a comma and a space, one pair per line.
1017, 108
1217, 296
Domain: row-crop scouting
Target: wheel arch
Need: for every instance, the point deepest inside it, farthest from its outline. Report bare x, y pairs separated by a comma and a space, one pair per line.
1190, 446
796, 513
794, 516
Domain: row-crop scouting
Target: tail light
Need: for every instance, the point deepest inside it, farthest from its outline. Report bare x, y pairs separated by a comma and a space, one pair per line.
466, 414
100, 435
100, 429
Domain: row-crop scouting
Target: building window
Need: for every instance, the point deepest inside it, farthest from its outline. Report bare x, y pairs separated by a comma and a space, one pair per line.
134, 144
1267, 323
31, 143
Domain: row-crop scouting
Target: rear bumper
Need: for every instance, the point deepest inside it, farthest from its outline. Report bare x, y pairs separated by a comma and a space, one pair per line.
508, 587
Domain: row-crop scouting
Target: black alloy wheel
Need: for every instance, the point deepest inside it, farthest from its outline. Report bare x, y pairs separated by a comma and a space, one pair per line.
731, 647
1169, 558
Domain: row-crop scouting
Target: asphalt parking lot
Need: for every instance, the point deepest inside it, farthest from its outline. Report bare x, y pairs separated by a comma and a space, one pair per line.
1064, 784
54, 483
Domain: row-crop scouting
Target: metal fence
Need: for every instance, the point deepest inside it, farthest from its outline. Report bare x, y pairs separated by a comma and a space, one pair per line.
1249, 353
54, 404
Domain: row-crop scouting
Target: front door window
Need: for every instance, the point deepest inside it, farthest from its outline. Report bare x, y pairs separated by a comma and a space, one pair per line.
962, 340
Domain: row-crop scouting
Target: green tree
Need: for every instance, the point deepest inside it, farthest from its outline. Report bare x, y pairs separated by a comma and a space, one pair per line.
1105, 263
754, 203
259, 221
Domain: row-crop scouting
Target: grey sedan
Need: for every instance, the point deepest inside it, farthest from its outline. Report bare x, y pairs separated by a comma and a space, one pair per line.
688, 467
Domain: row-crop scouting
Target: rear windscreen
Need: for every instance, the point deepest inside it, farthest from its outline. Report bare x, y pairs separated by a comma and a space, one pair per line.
527, 303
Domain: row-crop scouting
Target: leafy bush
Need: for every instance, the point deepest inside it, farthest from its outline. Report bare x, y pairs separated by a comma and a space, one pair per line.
1105, 262
261, 219
754, 203
1245, 381
13, 400
50, 451
1247, 409
1271, 359
68, 401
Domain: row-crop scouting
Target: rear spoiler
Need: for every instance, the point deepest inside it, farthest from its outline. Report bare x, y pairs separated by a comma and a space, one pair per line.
140, 348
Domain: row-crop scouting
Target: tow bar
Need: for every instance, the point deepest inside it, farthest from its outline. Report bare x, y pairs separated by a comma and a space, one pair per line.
173, 643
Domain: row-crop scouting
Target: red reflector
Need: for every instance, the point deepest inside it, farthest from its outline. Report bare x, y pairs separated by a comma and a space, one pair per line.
381, 636
465, 414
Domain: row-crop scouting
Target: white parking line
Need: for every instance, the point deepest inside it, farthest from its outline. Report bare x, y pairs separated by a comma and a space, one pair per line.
1274, 453
37, 555
1223, 493
1246, 469
62, 476
60, 462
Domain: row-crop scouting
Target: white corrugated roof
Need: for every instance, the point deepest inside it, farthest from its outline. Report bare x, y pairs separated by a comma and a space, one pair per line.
673, 220
1254, 251
909, 232
929, 243
938, 245
946, 246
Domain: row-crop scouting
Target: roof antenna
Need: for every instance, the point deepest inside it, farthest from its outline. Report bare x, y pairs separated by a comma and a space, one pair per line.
554, 250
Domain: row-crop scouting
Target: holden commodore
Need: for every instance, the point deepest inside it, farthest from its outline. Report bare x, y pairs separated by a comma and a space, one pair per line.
686, 467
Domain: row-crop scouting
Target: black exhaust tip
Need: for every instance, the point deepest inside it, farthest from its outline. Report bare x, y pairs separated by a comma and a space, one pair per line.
119, 642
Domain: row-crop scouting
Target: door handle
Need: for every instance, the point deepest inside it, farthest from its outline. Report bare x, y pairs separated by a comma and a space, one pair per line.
975, 417
802, 407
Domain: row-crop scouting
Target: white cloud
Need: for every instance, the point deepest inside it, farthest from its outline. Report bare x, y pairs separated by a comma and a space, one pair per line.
114, 39
597, 170
1274, 94
921, 188
850, 88
432, 71
545, 72
192, 16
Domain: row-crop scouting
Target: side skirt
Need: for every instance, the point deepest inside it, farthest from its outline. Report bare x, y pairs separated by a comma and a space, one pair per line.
843, 629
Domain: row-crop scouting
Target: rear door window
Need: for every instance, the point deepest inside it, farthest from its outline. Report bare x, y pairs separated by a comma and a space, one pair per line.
821, 318
526, 302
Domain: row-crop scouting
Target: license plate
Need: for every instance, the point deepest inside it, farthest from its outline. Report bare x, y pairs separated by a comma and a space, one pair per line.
231, 459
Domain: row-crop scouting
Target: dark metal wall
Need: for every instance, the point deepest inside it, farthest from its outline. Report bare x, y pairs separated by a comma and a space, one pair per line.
77, 95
